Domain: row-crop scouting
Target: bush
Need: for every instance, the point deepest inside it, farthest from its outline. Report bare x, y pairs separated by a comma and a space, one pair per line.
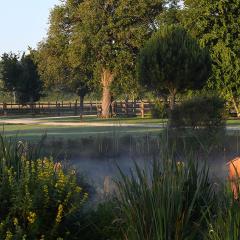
205, 112
38, 198
159, 110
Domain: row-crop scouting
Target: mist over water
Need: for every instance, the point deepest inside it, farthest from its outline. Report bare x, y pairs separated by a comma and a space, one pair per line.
99, 158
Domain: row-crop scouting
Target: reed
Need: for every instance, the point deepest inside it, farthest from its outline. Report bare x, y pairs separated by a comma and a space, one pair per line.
225, 223
170, 201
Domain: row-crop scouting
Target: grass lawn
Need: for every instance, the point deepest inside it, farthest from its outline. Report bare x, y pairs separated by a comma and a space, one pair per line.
34, 132
74, 119
116, 120
233, 122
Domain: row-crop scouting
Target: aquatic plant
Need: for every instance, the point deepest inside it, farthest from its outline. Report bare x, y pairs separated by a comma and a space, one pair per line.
170, 201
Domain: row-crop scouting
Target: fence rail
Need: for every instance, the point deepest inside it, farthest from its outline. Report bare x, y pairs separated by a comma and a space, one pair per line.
127, 108
119, 108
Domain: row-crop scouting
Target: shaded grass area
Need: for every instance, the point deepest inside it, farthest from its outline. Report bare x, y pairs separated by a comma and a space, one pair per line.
233, 122
133, 120
91, 119
36, 131
112, 120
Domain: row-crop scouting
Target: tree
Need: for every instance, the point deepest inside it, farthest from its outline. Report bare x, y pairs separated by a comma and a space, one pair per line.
31, 85
107, 37
171, 14
172, 62
56, 65
20, 77
10, 72
217, 25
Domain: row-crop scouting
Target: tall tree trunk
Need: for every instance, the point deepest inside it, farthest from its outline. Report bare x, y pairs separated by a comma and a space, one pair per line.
81, 98
14, 96
236, 106
172, 99
106, 79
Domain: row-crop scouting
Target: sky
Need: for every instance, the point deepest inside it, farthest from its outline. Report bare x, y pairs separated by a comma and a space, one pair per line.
23, 23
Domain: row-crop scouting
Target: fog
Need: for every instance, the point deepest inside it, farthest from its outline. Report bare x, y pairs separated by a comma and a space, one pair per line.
99, 159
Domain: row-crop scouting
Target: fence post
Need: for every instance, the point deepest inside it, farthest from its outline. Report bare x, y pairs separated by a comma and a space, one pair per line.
91, 106
114, 108
99, 109
56, 107
126, 107
59, 109
49, 108
4, 109
142, 109
75, 108
31, 106
134, 106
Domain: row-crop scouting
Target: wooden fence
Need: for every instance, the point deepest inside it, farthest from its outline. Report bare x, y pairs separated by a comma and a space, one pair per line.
130, 108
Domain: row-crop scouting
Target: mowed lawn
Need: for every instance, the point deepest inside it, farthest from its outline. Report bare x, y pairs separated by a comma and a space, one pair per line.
117, 120
35, 131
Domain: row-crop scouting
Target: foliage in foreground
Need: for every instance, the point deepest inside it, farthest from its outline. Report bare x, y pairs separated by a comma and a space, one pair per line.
225, 223
100, 223
177, 199
167, 204
38, 199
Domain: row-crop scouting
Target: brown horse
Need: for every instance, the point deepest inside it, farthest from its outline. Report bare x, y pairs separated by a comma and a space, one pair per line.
234, 176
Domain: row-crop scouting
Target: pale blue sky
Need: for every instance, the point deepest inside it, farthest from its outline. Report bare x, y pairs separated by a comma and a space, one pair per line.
23, 23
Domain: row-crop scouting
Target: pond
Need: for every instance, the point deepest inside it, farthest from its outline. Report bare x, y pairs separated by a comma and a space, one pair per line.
99, 158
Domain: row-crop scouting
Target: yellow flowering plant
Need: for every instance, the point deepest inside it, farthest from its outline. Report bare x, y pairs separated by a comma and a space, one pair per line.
37, 196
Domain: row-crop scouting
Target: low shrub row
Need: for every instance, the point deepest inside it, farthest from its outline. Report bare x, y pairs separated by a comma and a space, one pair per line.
199, 112
205, 112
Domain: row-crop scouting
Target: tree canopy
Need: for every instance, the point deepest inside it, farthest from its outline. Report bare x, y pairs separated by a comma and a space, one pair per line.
97, 40
172, 62
53, 57
10, 70
217, 25
20, 77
